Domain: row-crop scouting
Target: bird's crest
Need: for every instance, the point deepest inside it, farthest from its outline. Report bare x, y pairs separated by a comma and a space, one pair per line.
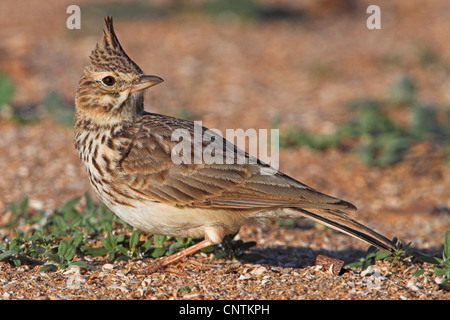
109, 54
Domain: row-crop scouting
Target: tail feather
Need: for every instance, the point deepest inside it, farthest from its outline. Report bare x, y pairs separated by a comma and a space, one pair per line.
340, 221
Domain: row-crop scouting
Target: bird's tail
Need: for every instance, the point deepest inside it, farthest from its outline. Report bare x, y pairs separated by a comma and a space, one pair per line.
340, 221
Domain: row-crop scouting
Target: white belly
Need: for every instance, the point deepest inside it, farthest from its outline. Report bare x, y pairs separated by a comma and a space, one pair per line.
187, 222
159, 218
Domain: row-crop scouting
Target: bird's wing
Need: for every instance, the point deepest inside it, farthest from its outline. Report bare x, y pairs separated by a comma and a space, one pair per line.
150, 172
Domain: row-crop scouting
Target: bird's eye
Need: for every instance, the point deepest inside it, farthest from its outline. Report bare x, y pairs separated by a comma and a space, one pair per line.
109, 81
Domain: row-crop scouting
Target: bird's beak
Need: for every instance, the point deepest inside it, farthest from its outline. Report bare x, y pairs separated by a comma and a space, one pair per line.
145, 82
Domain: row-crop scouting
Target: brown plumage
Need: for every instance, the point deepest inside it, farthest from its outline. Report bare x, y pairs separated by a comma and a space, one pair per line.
127, 154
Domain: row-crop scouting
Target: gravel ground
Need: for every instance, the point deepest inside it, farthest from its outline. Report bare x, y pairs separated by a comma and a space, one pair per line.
240, 74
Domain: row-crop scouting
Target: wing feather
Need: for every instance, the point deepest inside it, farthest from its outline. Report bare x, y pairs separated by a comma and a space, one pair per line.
148, 169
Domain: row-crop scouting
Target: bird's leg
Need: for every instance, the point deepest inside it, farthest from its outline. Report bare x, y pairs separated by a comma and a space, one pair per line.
163, 262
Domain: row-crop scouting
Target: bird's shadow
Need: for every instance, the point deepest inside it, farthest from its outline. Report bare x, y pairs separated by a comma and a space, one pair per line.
287, 256
297, 257
300, 257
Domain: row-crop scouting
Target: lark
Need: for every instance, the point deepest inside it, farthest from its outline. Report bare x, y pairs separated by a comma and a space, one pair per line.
127, 154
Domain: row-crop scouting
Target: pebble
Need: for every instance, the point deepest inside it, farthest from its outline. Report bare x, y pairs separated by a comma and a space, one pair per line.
107, 266
258, 271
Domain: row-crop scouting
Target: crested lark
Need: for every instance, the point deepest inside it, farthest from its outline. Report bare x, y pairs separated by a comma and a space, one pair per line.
127, 155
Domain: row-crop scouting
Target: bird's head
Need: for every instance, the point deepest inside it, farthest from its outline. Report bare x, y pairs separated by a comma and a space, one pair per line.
112, 86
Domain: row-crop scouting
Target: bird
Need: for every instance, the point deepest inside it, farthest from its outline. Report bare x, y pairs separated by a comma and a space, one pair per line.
127, 153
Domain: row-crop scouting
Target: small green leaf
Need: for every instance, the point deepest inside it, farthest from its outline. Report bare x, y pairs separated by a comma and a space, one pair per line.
365, 264
122, 258
62, 248
48, 267
80, 264
120, 238
109, 242
60, 224
89, 202
134, 239
447, 245
209, 249
53, 256
7, 89
24, 205
122, 249
174, 247
70, 253
20, 235
185, 288
7, 254
159, 240
95, 252
418, 272
147, 245
14, 245
76, 240
68, 206
158, 252
17, 262
111, 256
382, 254
355, 264
439, 271
108, 227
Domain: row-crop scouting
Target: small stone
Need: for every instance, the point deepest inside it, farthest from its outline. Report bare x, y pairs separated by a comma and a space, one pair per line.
258, 271
107, 266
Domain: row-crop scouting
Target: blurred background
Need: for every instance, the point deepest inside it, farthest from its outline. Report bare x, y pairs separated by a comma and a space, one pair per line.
363, 114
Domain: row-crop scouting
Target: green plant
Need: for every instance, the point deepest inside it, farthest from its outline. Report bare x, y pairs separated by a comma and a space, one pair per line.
187, 288
424, 122
23, 114
403, 91
55, 105
117, 247
7, 90
375, 134
19, 210
373, 254
234, 249
426, 55
63, 254
441, 266
56, 236
14, 250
